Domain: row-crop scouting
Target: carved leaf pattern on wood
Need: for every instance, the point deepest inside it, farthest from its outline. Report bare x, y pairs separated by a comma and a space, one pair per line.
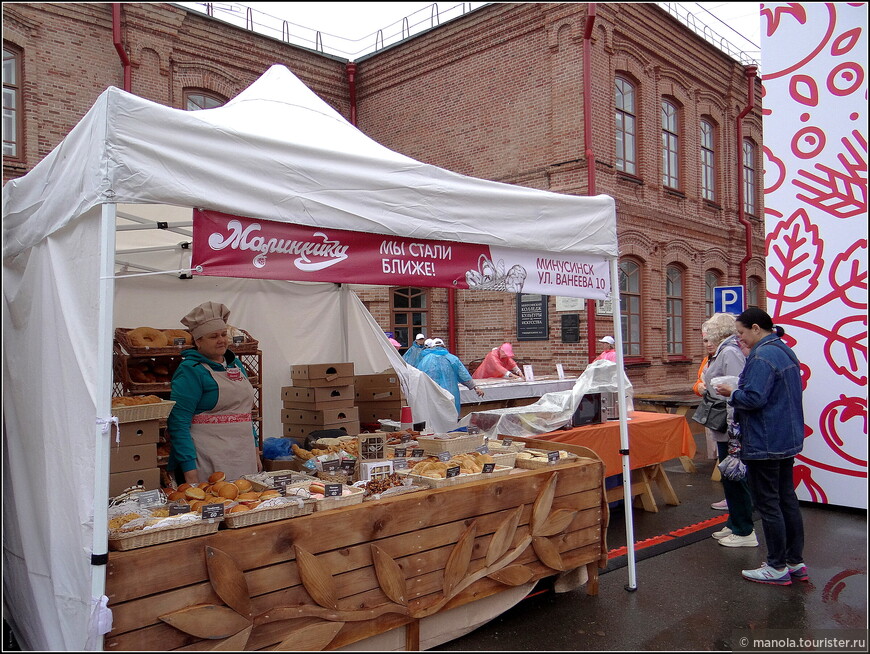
460, 557
228, 580
207, 621
548, 552
310, 638
543, 504
317, 580
503, 536
556, 522
234, 643
390, 575
513, 575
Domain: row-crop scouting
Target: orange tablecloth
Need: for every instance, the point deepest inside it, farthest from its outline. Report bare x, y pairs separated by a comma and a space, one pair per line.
652, 438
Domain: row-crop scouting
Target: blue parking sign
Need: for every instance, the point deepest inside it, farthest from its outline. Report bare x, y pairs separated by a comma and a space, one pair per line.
728, 299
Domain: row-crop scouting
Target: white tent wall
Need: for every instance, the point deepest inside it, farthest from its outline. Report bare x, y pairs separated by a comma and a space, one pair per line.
50, 373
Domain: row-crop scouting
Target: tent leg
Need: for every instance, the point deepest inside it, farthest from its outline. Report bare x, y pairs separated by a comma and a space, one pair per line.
623, 426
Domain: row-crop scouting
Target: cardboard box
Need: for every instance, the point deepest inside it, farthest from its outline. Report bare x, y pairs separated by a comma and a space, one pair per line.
319, 416
301, 431
383, 380
121, 481
372, 394
327, 397
271, 465
318, 375
374, 411
133, 457
140, 432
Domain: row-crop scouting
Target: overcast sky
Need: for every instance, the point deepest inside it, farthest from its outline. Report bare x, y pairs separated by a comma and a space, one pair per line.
353, 29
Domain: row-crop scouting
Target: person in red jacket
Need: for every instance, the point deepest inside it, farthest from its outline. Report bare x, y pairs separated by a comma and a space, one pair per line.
499, 364
609, 353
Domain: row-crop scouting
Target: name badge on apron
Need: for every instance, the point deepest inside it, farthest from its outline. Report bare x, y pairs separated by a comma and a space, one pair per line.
234, 374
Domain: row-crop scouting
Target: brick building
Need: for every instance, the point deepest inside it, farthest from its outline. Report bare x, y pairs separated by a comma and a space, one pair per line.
499, 93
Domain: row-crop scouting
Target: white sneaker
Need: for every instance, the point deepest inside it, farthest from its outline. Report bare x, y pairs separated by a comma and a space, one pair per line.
721, 505
719, 535
739, 541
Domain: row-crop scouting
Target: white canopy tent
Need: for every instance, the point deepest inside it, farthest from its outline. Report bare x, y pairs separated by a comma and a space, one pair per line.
86, 217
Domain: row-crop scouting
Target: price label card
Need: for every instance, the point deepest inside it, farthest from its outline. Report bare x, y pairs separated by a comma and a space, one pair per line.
453, 472
348, 465
238, 340
405, 437
507, 442
417, 453
212, 512
400, 463
282, 480
400, 451
528, 373
444, 456
149, 498
177, 508
178, 342
552, 456
281, 485
483, 449
331, 466
332, 490
560, 370
488, 467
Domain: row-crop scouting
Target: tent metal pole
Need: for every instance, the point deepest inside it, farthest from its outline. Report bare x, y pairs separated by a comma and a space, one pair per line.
623, 425
100, 544
344, 290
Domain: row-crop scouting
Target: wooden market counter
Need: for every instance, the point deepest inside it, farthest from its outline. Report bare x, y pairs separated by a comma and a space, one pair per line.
331, 578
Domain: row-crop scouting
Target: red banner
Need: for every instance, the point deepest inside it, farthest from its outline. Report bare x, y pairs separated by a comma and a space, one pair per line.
234, 246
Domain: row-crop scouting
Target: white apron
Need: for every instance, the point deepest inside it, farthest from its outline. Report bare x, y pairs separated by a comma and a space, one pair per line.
223, 437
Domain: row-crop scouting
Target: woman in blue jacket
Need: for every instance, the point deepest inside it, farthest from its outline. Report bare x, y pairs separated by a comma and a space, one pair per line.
769, 408
447, 371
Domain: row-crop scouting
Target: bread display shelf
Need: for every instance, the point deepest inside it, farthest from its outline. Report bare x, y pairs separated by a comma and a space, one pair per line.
266, 480
250, 345
327, 503
436, 482
137, 412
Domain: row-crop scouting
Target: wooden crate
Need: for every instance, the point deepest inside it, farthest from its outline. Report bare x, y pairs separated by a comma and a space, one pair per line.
323, 567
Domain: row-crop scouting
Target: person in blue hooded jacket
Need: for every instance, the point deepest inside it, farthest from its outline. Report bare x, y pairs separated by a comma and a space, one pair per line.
769, 409
447, 371
412, 354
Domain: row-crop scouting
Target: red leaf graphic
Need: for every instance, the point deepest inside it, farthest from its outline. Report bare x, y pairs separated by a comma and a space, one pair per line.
840, 412
846, 349
794, 255
840, 193
849, 273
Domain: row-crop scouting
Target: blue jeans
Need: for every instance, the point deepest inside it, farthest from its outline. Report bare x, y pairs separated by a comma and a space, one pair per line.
738, 498
772, 486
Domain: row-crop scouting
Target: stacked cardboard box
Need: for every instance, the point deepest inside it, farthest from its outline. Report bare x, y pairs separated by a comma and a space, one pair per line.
379, 396
134, 461
322, 397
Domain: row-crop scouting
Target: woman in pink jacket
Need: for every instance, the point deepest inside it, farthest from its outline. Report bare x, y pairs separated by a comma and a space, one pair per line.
499, 364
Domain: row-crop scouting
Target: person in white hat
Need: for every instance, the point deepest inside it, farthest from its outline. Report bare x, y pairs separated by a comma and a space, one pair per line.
447, 371
609, 353
210, 428
412, 354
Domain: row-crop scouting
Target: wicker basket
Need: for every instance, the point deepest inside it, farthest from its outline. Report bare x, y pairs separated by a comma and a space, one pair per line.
453, 445
248, 347
120, 541
529, 464
326, 503
507, 459
432, 482
394, 490
498, 447
268, 514
137, 412
264, 480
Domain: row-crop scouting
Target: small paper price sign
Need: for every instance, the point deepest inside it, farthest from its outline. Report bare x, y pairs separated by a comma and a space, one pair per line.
281, 485
149, 498
178, 342
400, 463
444, 456
507, 442
417, 453
405, 437
453, 472
332, 490
238, 340
177, 508
400, 452
483, 449
553, 456
331, 466
488, 467
212, 512
282, 480
348, 465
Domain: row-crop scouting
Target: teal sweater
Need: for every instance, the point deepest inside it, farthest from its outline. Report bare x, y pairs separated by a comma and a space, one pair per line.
194, 390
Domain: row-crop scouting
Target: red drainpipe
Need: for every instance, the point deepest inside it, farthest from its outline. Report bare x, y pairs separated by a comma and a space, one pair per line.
116, 40
741, 213
350, 70
590, 156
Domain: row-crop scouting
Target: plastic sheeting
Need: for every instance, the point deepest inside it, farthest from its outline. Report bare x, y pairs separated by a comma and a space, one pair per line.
554, 410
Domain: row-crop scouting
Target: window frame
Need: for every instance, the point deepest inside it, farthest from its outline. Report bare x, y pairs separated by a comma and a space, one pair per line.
708, 159
631, 307
17, 54
709, 293
625, 130
749, 181
753, 293
190, 91
675, 316
670, 113
405, 331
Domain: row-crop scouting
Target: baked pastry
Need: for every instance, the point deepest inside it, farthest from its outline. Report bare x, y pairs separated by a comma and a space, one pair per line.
147, 337
172, 334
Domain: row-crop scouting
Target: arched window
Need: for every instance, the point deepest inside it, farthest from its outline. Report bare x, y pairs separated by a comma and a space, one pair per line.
711, 281
629, 307
11, 103
670, 145
674, 309
410, 314
626, 132
195, 99
708, 161
753, 291
749, 177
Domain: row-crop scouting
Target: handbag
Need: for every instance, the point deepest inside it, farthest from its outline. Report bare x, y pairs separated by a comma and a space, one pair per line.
711, 413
